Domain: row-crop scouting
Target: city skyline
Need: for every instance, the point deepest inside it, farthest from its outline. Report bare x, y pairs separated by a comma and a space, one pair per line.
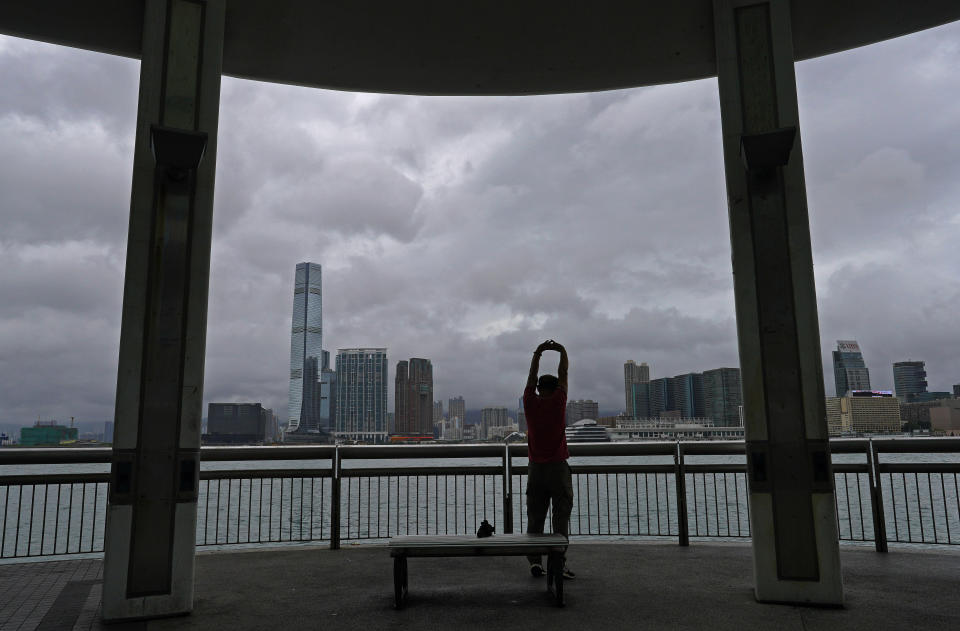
386, 191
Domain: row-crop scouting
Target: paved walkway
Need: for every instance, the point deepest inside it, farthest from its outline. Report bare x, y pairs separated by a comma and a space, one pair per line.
619, 586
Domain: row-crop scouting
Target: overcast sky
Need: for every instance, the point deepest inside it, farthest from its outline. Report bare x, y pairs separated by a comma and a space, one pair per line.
467, 230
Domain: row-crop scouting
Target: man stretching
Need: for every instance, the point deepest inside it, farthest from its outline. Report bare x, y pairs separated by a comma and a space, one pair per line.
548, 475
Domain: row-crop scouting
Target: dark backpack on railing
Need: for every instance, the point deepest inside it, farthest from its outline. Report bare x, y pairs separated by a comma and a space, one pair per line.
485, 529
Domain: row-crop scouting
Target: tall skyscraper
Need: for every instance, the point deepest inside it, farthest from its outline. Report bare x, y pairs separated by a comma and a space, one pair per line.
722, 396
633, 373
361, 400
849, 370
909, 379
306, 339
437, 412
413, 397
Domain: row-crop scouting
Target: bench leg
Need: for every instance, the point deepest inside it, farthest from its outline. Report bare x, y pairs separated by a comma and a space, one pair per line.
555, 576
399, 581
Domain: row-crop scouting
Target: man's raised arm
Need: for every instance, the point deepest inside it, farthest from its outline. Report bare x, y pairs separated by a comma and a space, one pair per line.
535, 366
563, 367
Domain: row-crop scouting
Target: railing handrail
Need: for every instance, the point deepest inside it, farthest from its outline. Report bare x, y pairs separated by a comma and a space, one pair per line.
98, 455
932, 444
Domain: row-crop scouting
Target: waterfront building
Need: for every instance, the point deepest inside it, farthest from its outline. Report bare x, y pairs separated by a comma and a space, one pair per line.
581, 409
863, 412
587, 431
306, 339
849, 370
361, 399
499, 432
673, 429
108, 431
238, 424
633, 374
945, 418
956, 391
723, 397
451, 428
413, 397
909, 379
437, 412
47, 434
490, 419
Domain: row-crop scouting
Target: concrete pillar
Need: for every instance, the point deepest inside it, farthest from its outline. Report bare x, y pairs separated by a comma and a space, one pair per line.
152, 514
792, 518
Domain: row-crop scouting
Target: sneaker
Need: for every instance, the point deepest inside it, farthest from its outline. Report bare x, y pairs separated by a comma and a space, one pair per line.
568, 574
536, 570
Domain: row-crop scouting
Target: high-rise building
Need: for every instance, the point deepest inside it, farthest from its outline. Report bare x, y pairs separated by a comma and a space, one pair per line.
306, 338
401, 389
849, 370
361, 399
328, 398
722, 396
956, 391
490, 419
437, 412
413, 397
582, 409
456, 408
687, 395
909, 379
310, 397
633, 374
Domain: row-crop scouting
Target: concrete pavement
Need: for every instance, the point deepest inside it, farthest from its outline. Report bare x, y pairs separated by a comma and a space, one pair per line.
618, 586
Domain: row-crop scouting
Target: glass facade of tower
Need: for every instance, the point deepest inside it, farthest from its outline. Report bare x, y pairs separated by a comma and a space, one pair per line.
306, 338
361, 399
849, 370
909, 379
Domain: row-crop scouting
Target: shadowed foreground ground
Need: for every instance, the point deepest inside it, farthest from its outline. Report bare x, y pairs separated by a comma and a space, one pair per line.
619, 586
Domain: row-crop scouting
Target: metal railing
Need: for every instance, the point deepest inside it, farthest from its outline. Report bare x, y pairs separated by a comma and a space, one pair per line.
331, 494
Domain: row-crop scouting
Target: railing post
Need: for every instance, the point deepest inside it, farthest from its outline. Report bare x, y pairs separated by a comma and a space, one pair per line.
876, 498
681, 485
335, 501
507, 492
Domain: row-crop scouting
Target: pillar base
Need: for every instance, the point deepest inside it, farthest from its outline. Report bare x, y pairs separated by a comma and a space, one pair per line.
769, 587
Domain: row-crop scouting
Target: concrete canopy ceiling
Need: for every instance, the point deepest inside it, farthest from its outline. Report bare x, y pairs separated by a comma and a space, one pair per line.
472, 47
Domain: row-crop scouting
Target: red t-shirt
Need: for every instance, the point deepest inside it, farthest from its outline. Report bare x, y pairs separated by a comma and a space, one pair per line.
546, 425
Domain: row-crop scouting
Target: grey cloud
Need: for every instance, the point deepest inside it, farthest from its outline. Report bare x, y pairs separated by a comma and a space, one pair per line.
467, 230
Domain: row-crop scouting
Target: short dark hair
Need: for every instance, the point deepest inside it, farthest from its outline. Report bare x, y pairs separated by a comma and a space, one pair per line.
547, 382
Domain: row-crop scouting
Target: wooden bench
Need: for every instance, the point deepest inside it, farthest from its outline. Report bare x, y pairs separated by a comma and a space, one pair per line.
402, 548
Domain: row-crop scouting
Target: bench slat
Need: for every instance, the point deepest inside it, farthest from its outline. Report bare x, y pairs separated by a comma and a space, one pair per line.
468, 545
